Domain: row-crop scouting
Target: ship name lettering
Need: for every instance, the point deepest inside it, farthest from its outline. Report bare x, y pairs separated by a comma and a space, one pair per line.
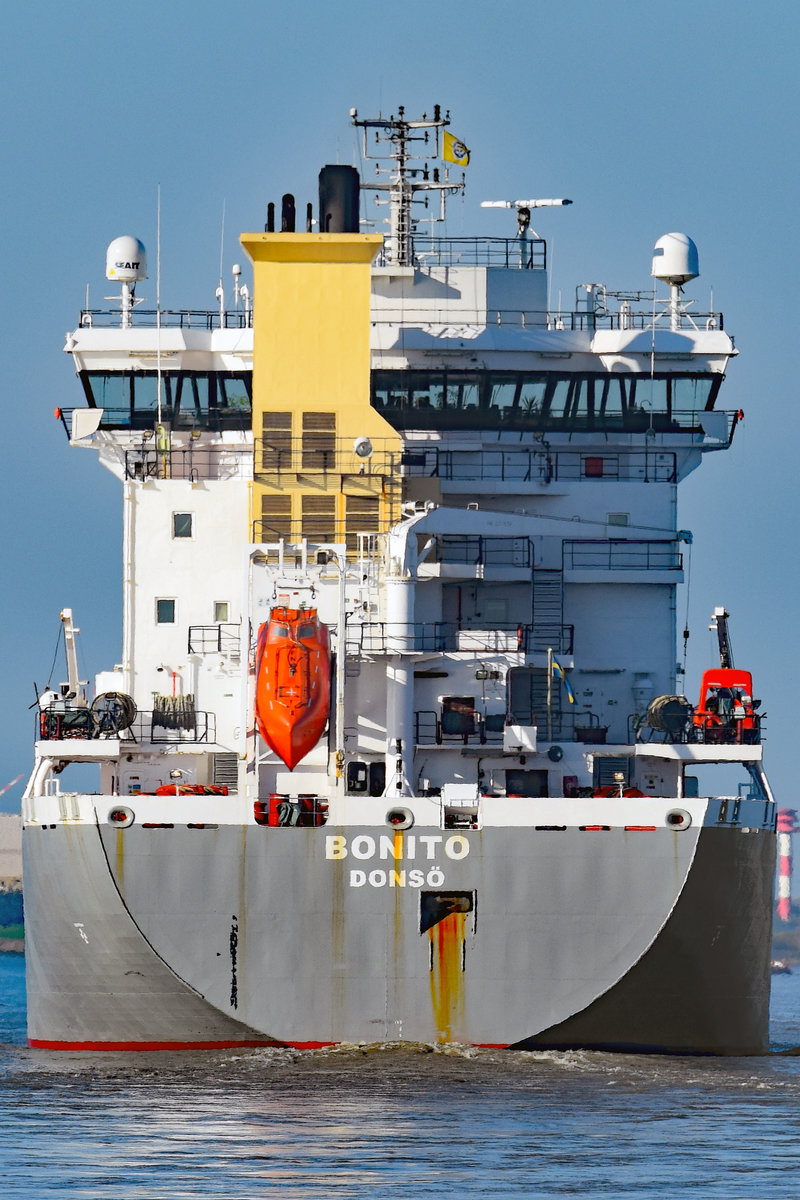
363, 846
397, 879
395, 846
456, 847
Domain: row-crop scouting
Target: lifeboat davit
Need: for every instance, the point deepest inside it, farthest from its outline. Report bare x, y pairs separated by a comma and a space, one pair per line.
293, 672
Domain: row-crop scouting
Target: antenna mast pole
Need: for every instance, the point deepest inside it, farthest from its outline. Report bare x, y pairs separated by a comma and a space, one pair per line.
405, 180
158, 308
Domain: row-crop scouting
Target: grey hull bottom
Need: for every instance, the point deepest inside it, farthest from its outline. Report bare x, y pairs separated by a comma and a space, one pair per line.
703, 986
93, 982
142, 938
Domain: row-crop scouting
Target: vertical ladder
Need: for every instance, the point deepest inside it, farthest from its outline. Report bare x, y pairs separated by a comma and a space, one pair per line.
548, 610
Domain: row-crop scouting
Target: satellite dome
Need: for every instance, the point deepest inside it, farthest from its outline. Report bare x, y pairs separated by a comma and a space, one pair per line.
126, 260
675, 259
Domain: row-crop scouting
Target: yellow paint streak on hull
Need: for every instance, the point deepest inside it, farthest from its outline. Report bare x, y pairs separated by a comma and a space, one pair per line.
120, 858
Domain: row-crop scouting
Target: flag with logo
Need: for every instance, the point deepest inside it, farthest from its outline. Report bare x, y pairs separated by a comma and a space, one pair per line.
455, 151
559, 673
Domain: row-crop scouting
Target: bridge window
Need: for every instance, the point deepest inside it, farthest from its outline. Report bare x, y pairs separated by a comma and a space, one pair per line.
188, 400
546, 399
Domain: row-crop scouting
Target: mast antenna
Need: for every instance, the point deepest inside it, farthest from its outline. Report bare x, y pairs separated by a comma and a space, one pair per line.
158, 306
405, 177
220, 292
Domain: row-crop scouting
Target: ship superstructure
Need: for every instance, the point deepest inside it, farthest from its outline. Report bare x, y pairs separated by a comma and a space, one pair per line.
397, 747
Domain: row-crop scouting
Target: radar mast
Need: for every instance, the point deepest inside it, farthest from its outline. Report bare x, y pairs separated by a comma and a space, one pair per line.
406, 178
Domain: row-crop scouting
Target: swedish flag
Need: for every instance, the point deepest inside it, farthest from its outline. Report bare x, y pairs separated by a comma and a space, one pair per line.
455, 151
558, 672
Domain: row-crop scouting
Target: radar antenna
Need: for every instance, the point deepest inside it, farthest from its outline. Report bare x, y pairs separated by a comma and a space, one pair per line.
405, 179
523, 208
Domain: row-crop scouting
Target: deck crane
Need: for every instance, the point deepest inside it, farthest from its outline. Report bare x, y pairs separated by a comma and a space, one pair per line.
71, 690
719, 621
726, 711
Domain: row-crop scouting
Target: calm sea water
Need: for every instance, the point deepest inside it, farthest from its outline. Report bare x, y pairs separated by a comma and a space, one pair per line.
411, 1121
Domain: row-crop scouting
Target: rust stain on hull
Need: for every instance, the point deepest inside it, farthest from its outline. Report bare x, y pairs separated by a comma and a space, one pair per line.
448, 947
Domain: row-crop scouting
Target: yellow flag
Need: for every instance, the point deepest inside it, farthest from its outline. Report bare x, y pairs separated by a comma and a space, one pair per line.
455, 151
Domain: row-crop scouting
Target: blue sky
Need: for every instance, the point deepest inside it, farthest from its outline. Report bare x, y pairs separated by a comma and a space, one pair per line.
650, 117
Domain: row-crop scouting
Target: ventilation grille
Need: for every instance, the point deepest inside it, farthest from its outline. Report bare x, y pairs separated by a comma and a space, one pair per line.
276, 518
225, 770
319, 518
319, 441
276, 444
361, 516
606, 768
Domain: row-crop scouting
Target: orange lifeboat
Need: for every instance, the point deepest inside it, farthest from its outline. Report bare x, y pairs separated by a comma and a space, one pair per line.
726, 711
292, 682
